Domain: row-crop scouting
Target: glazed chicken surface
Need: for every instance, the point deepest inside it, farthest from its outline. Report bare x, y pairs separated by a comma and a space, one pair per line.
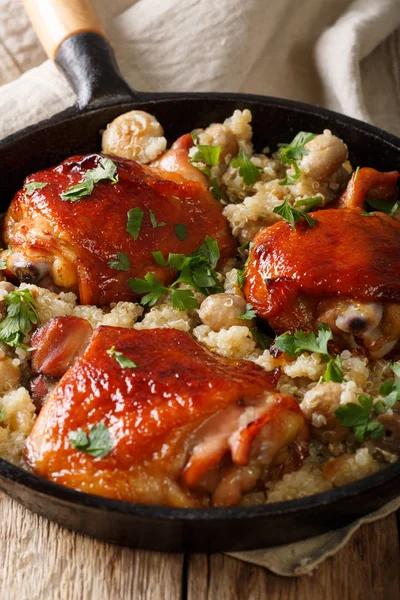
342, 271
186, 427
71, 242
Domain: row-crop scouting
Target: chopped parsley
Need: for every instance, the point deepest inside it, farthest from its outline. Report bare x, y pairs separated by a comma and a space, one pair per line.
262, 340
195, 270
333, 371
289, 154
249, 312
135, 218
293, 215
204, 157
121, 263
300, 341
385, 206
3, 264
247, 169
21, 315
181, 231
154, 222
32, 186
216, 190
2, 413
356, 172
241, 277
98, 443
123, 361
308, 203
360, 417
106, 169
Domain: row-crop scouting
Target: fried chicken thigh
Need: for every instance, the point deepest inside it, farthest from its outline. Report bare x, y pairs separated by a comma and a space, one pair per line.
71, 243
187, 428
343, 271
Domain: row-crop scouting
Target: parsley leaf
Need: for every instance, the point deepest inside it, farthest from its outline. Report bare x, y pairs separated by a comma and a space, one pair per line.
204, 157
247, 169
300, 341
216, 190
21, 315
32, 186
183, 299
209, 249
121, 263
290, 153
135, 217
262, 340
308, 203
293, 215
196, 270
383, 205
123, 361
150, 286
249, 312
333, 371
181, 231
241, 278
97, 443
359, 418
105, 170
154, 222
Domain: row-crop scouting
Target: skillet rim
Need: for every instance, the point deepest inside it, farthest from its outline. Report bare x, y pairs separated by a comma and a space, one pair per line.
41, 485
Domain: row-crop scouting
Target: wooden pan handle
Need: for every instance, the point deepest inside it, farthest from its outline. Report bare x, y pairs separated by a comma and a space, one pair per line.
56, 20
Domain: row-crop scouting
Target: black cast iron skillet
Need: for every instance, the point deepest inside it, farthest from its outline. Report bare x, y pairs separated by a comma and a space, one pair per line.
88, 62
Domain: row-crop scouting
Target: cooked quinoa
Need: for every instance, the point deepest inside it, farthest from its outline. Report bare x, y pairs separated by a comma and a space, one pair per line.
333, 460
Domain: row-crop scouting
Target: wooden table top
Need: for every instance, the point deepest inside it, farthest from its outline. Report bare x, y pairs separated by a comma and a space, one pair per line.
42, 561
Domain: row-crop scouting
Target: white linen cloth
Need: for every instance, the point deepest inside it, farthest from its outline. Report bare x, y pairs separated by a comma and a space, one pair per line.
342, 54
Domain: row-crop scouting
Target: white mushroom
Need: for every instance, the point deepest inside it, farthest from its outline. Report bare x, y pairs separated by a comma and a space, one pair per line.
326, 155
136, 135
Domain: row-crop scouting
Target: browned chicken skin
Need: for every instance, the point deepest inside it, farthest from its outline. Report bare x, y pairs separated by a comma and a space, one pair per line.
188, 428
74, 242
344, 271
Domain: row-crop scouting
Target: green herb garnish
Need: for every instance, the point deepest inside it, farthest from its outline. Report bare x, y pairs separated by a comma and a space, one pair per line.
2, 413
135, 217
204, 157
121, 263
247, 169
293, 215
249, 312
356, 172
32, 186
196, 270
289, 154
21, 315
106, 169
262, 340
216, 190
299, 342
181, 231
308, 203
388, 207
154, 222
97, 443
123, 361
360, 417
3, 265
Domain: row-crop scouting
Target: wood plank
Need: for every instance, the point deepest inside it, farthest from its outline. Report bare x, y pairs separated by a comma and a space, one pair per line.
42, 561
366, 569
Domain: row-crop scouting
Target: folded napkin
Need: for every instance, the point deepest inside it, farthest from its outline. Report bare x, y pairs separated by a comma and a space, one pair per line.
341, 54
